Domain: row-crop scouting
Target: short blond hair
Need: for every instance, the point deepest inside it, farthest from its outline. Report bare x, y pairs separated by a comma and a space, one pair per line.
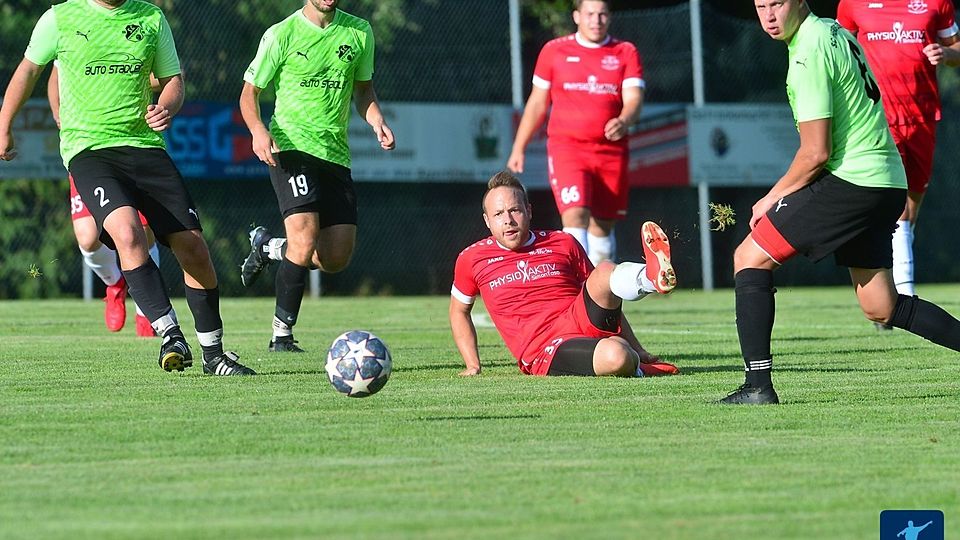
504, 179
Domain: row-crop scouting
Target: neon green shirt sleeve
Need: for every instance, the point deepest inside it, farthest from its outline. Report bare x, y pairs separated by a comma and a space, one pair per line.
365, 66
167, 62
264, 66
809, 81
44, 40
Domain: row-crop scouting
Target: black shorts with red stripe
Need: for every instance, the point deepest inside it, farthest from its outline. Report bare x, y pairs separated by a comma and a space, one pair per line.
831, 215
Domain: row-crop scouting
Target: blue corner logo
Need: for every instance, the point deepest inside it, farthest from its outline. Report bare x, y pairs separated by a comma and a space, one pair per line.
911, 525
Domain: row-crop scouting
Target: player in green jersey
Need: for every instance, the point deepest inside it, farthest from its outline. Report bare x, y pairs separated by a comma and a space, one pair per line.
318, 58
842, 194
111, 144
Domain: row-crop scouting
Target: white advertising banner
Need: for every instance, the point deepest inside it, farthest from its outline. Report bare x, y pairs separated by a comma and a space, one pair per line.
740, 144
435, 142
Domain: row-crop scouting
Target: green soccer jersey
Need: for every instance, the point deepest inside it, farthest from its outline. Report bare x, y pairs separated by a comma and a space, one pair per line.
828, 77
105, 58
313, 70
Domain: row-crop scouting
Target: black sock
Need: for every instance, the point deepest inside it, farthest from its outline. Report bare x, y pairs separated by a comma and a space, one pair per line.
755, 313
145, 285
926, 320
205, 306
291, 284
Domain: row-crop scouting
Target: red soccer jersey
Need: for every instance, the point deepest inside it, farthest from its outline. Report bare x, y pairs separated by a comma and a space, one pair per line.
523, 290
585, 81
893, 34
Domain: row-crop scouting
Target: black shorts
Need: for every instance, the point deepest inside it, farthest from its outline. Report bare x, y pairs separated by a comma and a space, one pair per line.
575, 356
144, 178
831, 215
305, 183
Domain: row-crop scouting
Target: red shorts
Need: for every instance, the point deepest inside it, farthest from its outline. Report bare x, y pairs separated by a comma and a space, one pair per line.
915, 143
589, 175
79, 210
570, 323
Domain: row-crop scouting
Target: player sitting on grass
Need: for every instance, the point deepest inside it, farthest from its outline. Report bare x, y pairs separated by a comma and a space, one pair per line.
557, 313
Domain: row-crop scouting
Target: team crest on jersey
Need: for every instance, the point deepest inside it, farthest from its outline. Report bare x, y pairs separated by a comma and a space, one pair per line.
610, 62
346, 53
917, 7
133, 32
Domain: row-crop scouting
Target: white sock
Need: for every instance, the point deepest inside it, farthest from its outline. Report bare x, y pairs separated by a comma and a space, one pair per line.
103, 262
210, 339
274, 248
629, 281
580, 235
165, 323
903, 258
280, 328
601, 248
155, 255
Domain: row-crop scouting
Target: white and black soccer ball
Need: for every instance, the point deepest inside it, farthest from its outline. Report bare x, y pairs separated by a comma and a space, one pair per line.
358, 363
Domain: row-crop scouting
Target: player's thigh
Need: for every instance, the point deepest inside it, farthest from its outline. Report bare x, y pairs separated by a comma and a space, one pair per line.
875, 291
570, 177
165, 202
574, 357
820, 218
305, 183
610, 188
872, 247
102, 182
335, 246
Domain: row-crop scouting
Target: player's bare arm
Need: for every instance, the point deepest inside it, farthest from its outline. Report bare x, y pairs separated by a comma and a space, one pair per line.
814, 151
160, 115
465, 336
616, 128
263, 144
18, 90
945, 51
368, 107
534, 114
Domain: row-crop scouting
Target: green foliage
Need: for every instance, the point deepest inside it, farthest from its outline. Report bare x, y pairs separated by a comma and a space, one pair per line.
34, 210
554, 15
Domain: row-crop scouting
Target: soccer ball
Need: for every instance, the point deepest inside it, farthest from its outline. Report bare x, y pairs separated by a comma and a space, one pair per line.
358, 364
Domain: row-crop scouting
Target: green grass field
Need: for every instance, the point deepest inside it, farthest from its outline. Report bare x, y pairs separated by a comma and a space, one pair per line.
97, 442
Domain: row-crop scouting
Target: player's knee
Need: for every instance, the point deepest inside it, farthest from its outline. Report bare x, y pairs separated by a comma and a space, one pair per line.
126, 237
88, 241
614, 357
336, 262
877, 314
190, 248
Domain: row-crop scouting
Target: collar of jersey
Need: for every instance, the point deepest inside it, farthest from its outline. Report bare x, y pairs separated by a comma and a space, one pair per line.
589, 44
314, 27
107, 11
807, 23
528, 243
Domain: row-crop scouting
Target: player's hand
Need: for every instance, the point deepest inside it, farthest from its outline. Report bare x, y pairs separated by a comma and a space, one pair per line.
158, 117
385, 136
8, 149
265, 147
934, 53
647, 357
470, 372
515, 162
760, 209
615, 129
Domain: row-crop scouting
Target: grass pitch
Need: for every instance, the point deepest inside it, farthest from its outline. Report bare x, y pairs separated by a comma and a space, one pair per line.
97, 442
